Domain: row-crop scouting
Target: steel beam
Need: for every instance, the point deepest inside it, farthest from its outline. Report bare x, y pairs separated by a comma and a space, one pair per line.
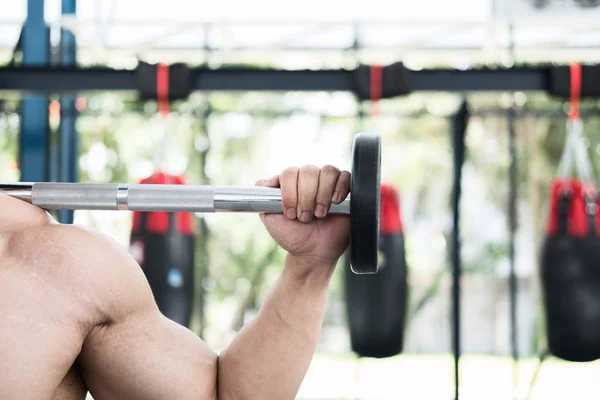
67, 79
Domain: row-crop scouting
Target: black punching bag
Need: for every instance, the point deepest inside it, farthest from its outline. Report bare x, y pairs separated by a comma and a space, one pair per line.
570, 273
163, 245
376, 304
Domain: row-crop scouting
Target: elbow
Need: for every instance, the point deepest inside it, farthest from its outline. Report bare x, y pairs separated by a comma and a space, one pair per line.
228, 387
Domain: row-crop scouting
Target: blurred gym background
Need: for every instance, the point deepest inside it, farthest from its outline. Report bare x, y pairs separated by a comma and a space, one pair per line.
237, 137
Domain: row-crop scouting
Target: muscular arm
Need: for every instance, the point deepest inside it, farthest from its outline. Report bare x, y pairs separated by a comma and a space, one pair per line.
270, 356
129, 350
133, 351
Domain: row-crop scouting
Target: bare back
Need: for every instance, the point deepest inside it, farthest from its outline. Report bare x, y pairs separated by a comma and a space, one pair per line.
73, 301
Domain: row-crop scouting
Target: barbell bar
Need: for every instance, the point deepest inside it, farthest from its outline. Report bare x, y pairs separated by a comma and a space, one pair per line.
362, 205
153, 197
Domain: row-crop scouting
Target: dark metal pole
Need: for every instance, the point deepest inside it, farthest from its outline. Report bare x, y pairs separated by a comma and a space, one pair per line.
203, 236
360, 114
512, 226
34, 146
68, 138
459, 127
512, 223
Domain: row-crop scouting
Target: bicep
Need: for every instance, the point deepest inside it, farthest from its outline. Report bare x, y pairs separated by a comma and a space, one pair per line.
148, 356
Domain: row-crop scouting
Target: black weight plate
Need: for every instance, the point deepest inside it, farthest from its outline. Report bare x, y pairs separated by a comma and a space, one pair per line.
364, 203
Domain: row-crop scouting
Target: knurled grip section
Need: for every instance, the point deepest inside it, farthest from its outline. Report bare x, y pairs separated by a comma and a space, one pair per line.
172, 198
69, 196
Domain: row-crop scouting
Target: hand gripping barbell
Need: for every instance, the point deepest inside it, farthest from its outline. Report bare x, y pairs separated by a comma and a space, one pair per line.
362, 204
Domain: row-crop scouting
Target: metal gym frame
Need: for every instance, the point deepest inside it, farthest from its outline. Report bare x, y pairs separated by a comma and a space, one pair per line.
36, 80
69, 80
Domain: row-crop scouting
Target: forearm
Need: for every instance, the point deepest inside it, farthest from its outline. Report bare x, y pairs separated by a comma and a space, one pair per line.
270, 356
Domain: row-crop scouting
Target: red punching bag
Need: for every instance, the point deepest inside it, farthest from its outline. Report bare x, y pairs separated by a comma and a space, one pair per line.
570, 272
376, 304
570, 256
163, 245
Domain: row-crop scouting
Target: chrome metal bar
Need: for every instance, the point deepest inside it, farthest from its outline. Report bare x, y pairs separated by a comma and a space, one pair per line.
135, 197
73, 196
259, 199
21, 191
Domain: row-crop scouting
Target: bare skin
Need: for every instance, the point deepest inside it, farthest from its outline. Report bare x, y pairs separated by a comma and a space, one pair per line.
77, 314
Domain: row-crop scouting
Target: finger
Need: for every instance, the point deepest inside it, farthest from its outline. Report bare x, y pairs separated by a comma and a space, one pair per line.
288, 181
269, 182
327, 182
308, 185
342, 188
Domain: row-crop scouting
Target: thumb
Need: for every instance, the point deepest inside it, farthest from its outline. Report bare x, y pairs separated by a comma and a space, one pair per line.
269, 182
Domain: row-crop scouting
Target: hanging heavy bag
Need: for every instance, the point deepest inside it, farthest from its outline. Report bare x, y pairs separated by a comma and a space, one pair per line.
570, 258
376, 304
163, 245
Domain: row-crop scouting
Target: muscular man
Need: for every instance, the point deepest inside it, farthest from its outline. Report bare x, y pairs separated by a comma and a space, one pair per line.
77, 314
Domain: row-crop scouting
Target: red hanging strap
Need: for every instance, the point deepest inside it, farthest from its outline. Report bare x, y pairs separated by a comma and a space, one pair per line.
376, 88
575, 91
391, 220
162, 88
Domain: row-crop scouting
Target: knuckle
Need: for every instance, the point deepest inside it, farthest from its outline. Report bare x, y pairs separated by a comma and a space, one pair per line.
309, 169
306, 202
288, 191
330, 170
324, 197
289, 199
345, 176
307, 191
307, 197
287, 179
289, 172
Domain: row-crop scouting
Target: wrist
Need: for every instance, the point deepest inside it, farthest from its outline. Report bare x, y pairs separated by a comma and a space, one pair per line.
310, 267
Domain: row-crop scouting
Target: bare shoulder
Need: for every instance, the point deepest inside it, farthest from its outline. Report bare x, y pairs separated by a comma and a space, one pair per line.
16, 215
89, 265
21, 225
102, 268
93, 283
